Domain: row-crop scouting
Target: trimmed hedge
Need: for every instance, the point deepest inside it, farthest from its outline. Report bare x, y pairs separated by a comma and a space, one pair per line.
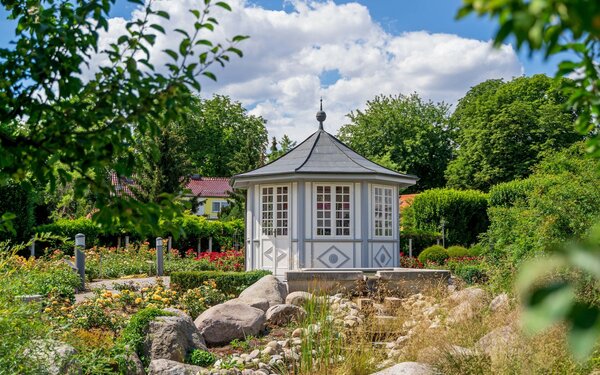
18, 199
464, 212
228, 282
194, 227
510, 193
435, 253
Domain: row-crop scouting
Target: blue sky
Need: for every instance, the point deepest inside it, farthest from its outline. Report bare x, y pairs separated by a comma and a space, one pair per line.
346, 51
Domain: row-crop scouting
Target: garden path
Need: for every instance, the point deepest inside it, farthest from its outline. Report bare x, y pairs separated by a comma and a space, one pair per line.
110, 285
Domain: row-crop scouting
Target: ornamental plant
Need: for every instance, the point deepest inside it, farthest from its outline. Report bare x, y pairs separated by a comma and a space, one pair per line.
435, 254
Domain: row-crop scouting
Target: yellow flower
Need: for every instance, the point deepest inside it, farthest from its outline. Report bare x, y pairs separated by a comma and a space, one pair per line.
138, 300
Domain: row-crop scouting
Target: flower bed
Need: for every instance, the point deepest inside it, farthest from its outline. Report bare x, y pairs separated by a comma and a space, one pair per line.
112, 262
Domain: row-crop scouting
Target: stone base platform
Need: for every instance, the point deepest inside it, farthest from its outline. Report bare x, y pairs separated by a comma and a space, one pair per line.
399, 280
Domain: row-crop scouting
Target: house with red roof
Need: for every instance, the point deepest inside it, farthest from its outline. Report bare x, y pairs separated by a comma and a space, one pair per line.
212, 193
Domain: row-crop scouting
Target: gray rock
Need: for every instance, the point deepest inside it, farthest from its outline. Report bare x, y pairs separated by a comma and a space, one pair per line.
500, 303
53, 356
172, 337
463, 312
167, 367
407, 368
498, 342
134, 365
225, 322
474, 296
298, 298
259, 303
281, 315
268, 287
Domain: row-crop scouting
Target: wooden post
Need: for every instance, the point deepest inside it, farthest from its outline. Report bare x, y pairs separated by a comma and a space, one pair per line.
199, 242
170, 244
80, 257
210, 244
126, 241
118, 242
410, 247
159, 256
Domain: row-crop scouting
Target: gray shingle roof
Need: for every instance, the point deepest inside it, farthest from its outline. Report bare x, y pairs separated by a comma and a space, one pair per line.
321, 153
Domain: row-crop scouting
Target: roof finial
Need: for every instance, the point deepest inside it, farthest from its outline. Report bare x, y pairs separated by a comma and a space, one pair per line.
321, 116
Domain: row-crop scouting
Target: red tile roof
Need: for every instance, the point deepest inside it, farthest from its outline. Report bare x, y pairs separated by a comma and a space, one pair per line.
406, 200
210, 186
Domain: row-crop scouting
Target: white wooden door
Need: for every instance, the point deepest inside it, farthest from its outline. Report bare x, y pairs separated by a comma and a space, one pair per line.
275, 236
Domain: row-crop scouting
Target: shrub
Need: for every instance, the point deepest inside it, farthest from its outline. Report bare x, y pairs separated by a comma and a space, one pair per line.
201, 358
457, 251
435, 254
230, 283
560, 202
476, 250
464, 213
421, 239
70, 227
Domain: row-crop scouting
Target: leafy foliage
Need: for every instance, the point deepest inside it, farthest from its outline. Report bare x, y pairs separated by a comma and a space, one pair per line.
505, 128
553, 27
551, 296
55, 123
558, 202
435, 254
285, 145
404, 133
223, 140
134, 334
457, 251
201, 358
228, 282
462, 211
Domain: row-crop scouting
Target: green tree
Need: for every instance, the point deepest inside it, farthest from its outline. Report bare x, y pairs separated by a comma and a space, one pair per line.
504, 128
223, 139
165, 168
54, 123
404, 133
285, 145
555, 26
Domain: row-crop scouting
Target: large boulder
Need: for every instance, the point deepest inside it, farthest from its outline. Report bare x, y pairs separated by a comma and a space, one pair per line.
268, 287
259, 303
282, 315
298, 298
407, 368
55, 357
476, 297
172, 337
500, 303
499, 343
228, 321
167, 367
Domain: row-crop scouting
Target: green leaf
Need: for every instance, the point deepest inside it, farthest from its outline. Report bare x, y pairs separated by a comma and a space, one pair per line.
172, 53
210, 75
585, 330
223, 5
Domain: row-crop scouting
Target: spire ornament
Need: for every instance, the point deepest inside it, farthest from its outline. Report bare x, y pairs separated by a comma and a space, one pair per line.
321, 115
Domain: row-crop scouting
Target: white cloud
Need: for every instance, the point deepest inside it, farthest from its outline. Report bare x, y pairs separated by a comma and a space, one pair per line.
288, 51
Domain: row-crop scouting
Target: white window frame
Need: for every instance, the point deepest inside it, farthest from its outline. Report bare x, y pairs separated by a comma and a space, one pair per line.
333, 210
277, 215
384, 211
221, 204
